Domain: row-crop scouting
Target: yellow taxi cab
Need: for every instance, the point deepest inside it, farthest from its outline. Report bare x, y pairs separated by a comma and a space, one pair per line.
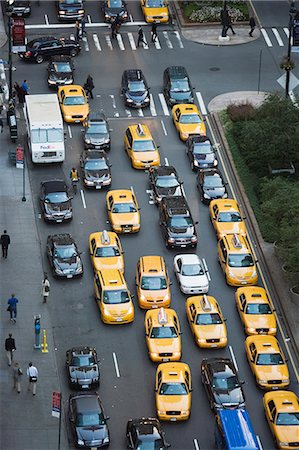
173, 389
155, 11
188, 120
282, 414
206, 321
113, 297
106, 251
255, 310
152, 282
141, 147
236, 260
267, 362
123, 211
226, 217
73, 103
163, 335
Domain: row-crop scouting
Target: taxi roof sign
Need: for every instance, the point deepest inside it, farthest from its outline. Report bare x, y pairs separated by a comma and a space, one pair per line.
162, 317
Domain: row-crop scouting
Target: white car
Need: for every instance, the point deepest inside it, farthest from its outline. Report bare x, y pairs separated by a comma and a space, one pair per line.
192, 274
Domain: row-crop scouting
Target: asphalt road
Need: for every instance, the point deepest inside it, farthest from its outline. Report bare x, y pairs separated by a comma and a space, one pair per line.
74, 314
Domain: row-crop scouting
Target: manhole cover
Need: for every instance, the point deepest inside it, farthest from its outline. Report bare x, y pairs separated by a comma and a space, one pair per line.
214, 69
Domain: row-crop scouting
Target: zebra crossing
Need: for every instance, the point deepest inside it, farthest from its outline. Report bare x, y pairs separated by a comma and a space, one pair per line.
276, 36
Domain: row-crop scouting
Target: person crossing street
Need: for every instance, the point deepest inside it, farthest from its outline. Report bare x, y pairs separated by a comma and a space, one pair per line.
154, 32
89, 86
140, 36
74, 176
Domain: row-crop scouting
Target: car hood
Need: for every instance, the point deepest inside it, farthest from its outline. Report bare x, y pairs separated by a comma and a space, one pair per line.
287, 433
260, 320
164, 345
92, 436
70, 7
118, 310
210, 331
231, 228
193, 128
181, 96
145, 156
173, 402
84, 373
272, 372
115, 11
97, 138
61, 75
57, 207
67, 265
154, 295
204, 158
113, 262
126, 218
183, 232
216, 192
229, 399
200, 280
163, 192
96, 174
243, 273
137, 96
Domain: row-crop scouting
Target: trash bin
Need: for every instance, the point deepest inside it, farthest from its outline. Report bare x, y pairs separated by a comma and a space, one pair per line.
12, 123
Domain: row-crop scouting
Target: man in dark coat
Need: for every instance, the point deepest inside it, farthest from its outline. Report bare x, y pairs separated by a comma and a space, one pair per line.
252, 25
5, 241
140, 36
10, 347
154, 31
89, 86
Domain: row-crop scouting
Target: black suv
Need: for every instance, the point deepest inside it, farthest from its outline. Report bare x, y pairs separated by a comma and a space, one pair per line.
96, 132
176, 85
60, 71
70, 10
145, 433
44, 47
113, 9
82, 367
95, 168
201, 152
222, 385
18, 8
134, 88
55, 202
211, 185
164, 182
177, 226
64, 256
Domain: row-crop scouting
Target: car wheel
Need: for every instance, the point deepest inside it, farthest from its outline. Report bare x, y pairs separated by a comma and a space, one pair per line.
73, 52
39, 59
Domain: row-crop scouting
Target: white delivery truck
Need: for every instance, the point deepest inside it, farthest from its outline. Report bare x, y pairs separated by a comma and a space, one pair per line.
44, 128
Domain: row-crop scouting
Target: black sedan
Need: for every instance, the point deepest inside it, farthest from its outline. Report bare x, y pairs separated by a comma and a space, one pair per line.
95, 168
82, 367
211, 185
88, 421
60, 71
45, 47
164, 181
96, 132
115, 9
134, 88
201, 152
55, 202
70, 10
221, 382
145, 433
64, 256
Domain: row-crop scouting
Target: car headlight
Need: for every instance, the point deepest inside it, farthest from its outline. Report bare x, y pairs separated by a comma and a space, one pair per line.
88, 141
272, 330
171, 240
67, 116
223, 339
142, 298
195, 162
106, 440
129, 100
81, 11
194, 239
79, 268
251, 330
184, 413
285, 381
146, 99
283, 444
106, 141
161, 412
154, 355
206, 196
176, 354
62, 13
88, 183
215, 162
262, 381
201, 341
58, 270
184, 135
80, 442
231, 274
253, 274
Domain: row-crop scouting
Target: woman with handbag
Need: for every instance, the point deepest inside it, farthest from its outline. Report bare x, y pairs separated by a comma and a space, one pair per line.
45, 288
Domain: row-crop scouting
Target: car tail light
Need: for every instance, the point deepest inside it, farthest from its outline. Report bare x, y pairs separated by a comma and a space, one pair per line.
28, 54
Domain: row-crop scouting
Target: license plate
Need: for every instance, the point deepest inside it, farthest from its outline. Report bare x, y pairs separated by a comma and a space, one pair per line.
69, 276
93, 448
165, 359
155, 306
183, 245
243, 282
213, 345
98, 186
127, 231
119, 319
173, 419
84, 386
147, 166
77, 121
59, 221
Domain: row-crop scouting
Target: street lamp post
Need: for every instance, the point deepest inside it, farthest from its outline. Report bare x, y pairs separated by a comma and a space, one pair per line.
288, 69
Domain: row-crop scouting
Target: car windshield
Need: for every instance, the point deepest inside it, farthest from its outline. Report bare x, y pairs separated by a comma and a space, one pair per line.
190, 118
65, 252
269, 359
70, 2
208, 319
163, 333
203, 148
124, 208
167, 181
229, 217
225, 383
90, 419
74, 100
144, 146
95, 164
115, 3
149, 443
153, 283
50, 135
213, 182
288, 418
104, 252
180, 85
173, 389
57, 197
83, 361
62, 67
155, 3
192, 270
96, 128
116, 297
240, 260
258, 308
136, 86
180, 222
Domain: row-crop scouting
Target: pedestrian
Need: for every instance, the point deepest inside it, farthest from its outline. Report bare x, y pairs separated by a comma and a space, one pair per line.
252, 25
20, 93
17, 375
113, 29
89, 86
77, 31
5, 241
229, 26
1, 124
140, 36
10, 347
32, 374
12, 307
154, 31
25, 87
45, 288
83, 24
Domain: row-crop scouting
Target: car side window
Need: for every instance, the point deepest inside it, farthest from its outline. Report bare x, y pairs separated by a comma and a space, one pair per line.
179, 263
192, 311
93, 245
187, 379
223, 250
110, 201
99, 286
129, 138
252, 351
242, 301
133, 434
159, 379
272, 409
215, 211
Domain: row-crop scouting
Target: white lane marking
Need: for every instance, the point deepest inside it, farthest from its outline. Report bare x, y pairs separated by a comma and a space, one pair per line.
88, 18
46, 19
177, 35
96, 42
128, 112
164, 104
157, 43
116, 365
145, 44
150, 193
166, 161
116, 114
140, 112
201, 103
72, 37
233, 357
196, 446
84, 39
83, 198
286, 30
70, 131
152, 106
109, 43
278, 38
206, 269
120, 42
259, 442
131, 40
168, 43
131, 18
266, 37
164, 128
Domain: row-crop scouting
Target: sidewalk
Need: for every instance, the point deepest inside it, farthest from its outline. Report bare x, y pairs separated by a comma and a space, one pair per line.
210, 35
26, 421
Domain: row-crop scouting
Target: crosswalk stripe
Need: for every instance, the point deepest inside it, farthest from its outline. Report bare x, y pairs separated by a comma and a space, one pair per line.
131, 40
116, 114
201, 103
128, 112
109, 43
286, 30
163, 104
266, 37
120, 42
140, 112
157, 43
177, 35
152, 106
278, 38
84, 39
145, 44
96, 42
72, 37
168, 43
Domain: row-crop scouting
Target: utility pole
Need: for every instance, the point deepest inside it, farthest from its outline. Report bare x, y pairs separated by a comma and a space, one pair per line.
288, 69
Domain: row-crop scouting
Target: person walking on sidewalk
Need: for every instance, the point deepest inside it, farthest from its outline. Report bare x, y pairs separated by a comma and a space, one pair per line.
12, 307
45, 288
5, 241
252, 25
32, 374
229, 26
83, 25
10, 347
140, 36
17, 376
89, 86
25, 87
154, 32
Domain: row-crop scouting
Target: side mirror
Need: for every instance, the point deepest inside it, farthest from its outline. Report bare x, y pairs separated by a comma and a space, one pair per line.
156, 390
71, 198
181, 182
170, 283
139, 209
107, 417
196, 223
274, 309
71, 419
108, 209
244, 218
225, 320
242, 382
158, 146
223, 261
132, 296
146, 334
256, 261
167, 445
122, 252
